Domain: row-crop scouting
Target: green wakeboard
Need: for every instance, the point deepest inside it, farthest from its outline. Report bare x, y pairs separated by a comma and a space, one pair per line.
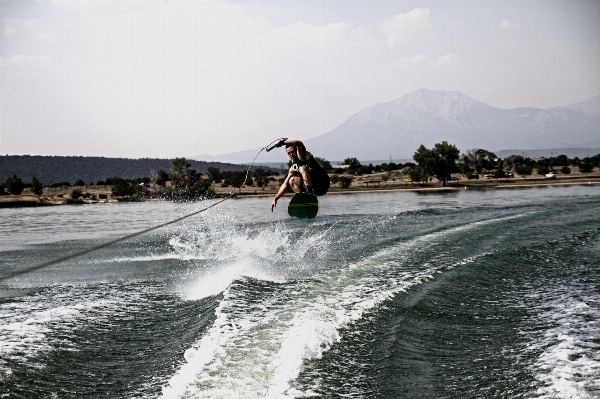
303, 206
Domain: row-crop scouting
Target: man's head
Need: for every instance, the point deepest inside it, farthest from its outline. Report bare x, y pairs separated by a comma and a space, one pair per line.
291, 151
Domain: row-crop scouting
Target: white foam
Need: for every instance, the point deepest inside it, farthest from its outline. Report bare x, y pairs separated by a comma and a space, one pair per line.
570, 361
147, 258
208, 354
275, 339
213, 282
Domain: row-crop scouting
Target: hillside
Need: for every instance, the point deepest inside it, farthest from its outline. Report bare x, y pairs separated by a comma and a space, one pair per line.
55, 169
397, 128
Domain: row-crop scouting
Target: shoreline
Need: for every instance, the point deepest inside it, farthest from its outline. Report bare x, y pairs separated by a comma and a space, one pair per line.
594, 181
26, 201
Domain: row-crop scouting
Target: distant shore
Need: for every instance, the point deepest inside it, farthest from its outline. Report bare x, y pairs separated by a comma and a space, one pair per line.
361, 184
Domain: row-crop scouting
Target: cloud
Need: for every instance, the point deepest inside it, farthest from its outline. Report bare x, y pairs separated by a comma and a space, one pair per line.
13, 28
84, 6
402, 27
447, 59
506, 24
425, 60
25, 59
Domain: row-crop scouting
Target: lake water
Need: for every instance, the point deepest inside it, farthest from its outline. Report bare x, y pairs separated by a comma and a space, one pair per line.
464, 294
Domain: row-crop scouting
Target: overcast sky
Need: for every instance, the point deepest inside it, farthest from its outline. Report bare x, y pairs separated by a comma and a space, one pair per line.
182, 78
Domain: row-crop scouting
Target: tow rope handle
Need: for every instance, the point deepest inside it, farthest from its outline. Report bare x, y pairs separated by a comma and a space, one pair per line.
272, 145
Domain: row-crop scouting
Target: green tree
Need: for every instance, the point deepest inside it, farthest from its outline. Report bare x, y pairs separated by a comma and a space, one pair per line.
345, 181
486, 159
334, 178
14, 185
511, 162
523, 170
214, 174
418, 174
565, 170
542, 170
76, 193
199, 188
181, 173
162, 177
561, 160
236, 178
353, 164
477, 159
425, 160
79, 183
122, 188
499, 173
440, 161
36, 186
584, 167
260, 177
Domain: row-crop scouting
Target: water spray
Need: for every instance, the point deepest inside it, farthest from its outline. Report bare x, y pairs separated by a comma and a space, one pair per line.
106, 244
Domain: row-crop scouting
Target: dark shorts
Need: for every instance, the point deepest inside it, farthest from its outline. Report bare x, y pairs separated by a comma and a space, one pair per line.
321, 185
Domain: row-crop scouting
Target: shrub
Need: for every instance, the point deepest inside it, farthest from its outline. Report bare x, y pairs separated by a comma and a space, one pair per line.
565, 170
523, 170
407, 169
36, 186
214, 174
14, 185
122, 188
79, 183
345, 181
499, 173
418, 175
584, 167
542, 170
76, 193
236, 178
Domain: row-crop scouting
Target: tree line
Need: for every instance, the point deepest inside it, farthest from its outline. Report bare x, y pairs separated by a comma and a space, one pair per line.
441, 161
183, 182
444, 160
59, 169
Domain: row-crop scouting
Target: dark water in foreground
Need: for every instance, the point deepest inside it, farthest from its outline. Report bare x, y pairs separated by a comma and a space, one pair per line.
390, 295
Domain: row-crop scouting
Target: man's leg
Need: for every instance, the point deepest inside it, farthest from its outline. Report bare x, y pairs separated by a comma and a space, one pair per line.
294, 184
307, 178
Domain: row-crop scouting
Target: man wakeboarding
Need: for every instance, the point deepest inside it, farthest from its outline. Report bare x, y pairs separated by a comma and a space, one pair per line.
305, 174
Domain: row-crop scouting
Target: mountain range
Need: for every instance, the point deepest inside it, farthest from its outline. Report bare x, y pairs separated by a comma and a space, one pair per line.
397, 128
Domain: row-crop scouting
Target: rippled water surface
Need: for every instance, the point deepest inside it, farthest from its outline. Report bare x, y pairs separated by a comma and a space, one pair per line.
467, 294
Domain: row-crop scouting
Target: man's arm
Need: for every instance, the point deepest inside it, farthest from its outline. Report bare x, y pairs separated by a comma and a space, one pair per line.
281, 191
302, 153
